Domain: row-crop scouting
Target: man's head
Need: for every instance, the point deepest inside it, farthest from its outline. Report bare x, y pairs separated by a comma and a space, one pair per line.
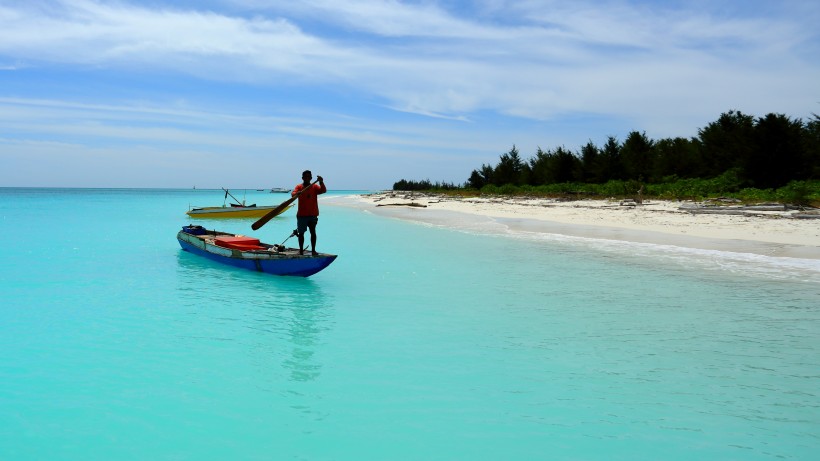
307, 176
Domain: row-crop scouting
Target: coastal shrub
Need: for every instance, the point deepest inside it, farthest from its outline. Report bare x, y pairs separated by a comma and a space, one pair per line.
490, 189
529, 190
680, 189
543, 190
657, 190
801, 193
574, 188
564, 188
752, 195
727, 182
508, 189
671, 190
613, 188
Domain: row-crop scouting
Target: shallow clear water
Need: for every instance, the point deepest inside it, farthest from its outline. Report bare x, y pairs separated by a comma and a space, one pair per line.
419, 342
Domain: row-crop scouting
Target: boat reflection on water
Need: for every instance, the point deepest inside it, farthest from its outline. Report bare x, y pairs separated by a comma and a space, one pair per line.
277, 321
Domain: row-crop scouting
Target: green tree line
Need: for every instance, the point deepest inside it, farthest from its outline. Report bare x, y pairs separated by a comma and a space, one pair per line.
733, 153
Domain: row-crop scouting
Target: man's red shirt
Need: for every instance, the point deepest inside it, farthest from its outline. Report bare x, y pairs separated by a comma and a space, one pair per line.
308, 202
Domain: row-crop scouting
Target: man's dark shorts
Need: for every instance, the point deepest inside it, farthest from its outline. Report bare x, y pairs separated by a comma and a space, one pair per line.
303, 222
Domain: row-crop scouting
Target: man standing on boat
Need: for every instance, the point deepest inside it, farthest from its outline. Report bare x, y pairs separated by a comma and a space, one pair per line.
307, 214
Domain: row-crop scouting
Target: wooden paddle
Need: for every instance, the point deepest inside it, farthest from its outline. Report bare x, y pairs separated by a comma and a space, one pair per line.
264, 219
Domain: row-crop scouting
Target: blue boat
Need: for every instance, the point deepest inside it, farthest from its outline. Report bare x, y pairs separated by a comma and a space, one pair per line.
249, 253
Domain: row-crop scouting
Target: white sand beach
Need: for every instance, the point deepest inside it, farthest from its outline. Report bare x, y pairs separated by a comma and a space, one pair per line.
767, 230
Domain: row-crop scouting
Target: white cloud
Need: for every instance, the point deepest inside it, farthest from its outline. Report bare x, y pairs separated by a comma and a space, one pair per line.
443, 65
667, 68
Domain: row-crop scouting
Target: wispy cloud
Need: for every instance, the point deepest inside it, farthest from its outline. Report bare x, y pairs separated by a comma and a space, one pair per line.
440, 63
665, 67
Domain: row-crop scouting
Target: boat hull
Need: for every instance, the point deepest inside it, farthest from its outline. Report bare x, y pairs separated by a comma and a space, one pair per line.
268, 260
232, 212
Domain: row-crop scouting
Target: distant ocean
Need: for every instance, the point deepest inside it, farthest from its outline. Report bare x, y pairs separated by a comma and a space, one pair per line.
421, 342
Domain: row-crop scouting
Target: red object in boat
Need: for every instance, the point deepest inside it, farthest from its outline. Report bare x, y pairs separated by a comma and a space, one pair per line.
239, 243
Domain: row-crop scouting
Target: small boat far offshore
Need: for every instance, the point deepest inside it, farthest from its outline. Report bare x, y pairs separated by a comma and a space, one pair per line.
249, 253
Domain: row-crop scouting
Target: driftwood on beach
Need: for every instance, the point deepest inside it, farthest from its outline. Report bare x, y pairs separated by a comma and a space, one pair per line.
807, 215
414, 204
723, 211
770, 210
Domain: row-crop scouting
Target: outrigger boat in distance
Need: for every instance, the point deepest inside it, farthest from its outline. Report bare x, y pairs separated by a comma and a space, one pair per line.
281, 190
249, 253
234, 210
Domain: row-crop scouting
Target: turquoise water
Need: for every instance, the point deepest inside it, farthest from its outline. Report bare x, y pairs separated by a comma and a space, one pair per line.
418, 343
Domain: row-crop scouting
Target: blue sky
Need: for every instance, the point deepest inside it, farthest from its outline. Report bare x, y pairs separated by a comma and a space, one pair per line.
248, 93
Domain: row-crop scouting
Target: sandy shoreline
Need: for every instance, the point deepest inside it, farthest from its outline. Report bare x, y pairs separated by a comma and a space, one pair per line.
762, 230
